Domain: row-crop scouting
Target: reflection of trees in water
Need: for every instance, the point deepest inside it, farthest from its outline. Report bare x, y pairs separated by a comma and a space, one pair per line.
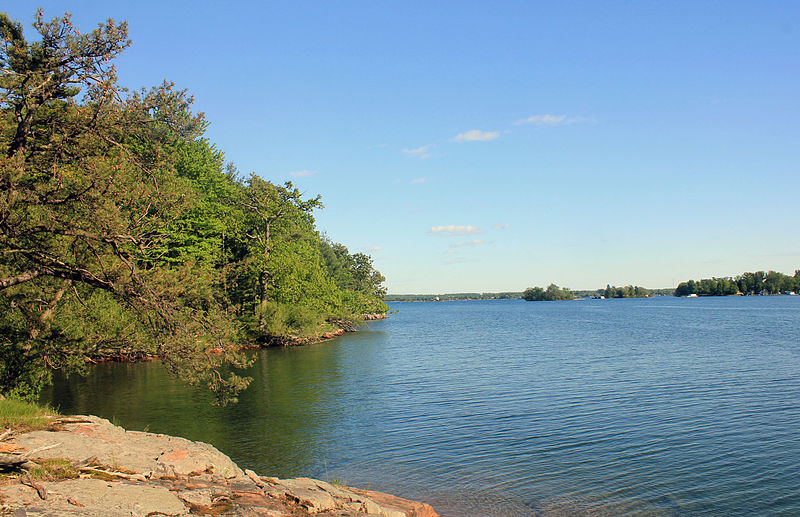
286, 413
279, 426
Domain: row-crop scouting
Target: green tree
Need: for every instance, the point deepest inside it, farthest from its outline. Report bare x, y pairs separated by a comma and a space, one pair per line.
751, 283
87, 196
269, 207
683, 289
707, 287
552, 293
628, 291
772, 282
123, 231
355, 275
534, 294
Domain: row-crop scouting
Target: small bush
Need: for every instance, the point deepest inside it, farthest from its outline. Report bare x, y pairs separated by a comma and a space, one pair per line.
285, 320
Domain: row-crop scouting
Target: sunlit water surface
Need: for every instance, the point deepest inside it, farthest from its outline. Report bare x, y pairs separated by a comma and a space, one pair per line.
658, 406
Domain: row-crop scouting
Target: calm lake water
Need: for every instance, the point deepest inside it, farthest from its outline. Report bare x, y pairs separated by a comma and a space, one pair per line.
659, 406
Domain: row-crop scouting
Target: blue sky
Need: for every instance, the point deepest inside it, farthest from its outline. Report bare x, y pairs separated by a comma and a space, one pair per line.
491, 146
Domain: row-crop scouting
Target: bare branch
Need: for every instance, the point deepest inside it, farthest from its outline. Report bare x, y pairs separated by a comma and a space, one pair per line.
25, 276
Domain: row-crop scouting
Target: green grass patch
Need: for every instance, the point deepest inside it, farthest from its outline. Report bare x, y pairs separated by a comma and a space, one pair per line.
53, 470
24, 416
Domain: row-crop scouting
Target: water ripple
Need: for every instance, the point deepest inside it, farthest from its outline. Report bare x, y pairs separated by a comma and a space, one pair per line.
659, 407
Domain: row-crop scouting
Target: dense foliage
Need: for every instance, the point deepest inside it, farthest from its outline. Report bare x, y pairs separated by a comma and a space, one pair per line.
552, 293
123, 231
629, 291
753, 283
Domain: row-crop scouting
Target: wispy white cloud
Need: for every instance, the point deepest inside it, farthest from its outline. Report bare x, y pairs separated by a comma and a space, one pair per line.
553, 120
543, 120
476, 135
499, 226
449, 252
475, 242
455, 230
302, 174
418, 180
420, 152
373, 248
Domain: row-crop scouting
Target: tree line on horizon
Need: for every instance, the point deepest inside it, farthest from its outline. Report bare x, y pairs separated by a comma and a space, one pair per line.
749, 283
554, 293
446, 297
123, 229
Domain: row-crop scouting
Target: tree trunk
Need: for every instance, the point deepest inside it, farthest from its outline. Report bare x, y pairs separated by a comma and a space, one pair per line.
263, 279
47, 314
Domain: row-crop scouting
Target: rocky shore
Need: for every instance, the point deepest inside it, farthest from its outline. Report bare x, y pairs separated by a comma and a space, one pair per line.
85, 465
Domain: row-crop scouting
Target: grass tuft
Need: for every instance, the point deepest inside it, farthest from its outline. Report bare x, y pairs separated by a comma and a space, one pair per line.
53, 470
22, 416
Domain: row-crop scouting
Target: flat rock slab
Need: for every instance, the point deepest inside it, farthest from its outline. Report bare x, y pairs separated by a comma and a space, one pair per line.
94, 497
146, 453
404, 507
174, 476
319, 497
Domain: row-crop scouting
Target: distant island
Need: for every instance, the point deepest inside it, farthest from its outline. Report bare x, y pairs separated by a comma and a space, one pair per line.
557, 293
747, 284
552, 293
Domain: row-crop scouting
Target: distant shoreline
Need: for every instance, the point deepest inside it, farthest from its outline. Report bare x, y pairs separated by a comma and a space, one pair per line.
444, 298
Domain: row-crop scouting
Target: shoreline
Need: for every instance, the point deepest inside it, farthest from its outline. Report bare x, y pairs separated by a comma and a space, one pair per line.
105, 470
138, 356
